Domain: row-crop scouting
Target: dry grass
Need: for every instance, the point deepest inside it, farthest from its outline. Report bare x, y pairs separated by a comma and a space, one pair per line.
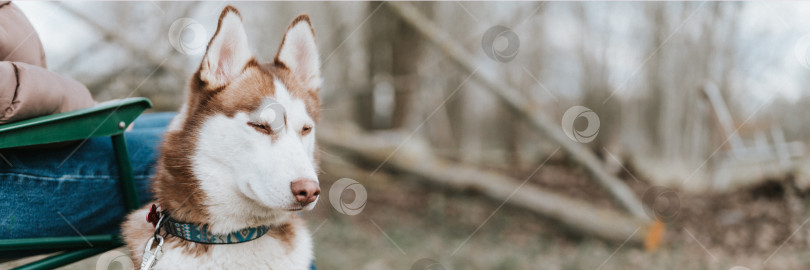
432, 222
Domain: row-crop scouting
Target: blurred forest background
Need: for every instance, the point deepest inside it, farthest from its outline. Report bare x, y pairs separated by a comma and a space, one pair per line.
703, 102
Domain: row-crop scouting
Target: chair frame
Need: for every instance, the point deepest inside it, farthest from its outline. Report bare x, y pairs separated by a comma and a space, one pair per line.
105, 119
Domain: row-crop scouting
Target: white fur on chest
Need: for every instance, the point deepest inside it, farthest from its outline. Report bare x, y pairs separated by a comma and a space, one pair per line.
264, 253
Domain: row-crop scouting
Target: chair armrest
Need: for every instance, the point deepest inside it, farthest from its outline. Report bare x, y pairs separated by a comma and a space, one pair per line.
104, 119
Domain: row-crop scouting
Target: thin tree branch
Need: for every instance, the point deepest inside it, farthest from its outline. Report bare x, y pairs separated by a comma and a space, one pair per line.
114, 37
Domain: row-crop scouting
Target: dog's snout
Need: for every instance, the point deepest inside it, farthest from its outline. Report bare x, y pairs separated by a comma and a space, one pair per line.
305, 191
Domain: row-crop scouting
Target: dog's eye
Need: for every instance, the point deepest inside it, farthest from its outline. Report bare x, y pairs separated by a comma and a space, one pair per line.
261, 127
306, 130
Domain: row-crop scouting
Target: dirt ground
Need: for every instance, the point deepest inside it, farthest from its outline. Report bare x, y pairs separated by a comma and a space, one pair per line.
411, 224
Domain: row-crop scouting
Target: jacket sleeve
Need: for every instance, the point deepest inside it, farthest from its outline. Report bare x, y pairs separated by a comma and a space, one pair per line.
27, 88
28, 91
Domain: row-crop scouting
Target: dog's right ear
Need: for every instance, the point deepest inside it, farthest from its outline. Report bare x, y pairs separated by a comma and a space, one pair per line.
299, 53
228, 52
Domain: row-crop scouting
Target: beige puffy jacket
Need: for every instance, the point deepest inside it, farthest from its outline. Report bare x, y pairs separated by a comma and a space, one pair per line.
27, 88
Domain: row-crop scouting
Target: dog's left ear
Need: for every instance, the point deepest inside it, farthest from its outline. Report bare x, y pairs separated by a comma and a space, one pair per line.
299, 53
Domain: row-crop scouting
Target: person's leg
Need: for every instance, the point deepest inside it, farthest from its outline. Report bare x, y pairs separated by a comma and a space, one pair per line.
153, 120
74, 190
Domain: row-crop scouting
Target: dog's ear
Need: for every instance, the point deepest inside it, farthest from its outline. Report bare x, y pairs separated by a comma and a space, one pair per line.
299, 53
228, 52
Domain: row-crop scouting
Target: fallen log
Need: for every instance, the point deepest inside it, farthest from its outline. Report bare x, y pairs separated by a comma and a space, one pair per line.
603, 223
522, 105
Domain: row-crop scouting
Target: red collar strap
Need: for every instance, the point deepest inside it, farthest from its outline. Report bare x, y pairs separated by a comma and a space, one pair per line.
154, 215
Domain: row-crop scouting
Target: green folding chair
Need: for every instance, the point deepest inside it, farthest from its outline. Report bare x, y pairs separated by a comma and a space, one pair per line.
105, 119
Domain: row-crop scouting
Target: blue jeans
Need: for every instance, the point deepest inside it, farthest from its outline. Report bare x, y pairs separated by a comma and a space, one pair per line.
39, 198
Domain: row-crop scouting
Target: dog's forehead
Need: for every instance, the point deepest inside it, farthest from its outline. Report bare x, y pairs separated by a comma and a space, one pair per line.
294, 108
291, 92
261, 84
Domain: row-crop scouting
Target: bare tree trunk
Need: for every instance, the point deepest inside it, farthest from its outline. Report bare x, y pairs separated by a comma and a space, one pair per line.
393, 52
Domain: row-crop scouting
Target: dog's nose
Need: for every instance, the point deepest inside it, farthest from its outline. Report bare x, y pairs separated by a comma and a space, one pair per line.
305, 191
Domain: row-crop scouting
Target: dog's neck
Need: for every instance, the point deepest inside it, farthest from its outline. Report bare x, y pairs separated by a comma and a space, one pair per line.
222, 217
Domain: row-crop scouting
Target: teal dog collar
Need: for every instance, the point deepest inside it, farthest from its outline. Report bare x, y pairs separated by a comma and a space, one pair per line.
199, 233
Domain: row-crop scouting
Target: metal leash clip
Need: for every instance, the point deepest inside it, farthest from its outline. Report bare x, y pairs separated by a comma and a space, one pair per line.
150, 257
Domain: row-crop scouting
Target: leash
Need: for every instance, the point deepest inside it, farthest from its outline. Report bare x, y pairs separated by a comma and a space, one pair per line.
197, 233
150, 257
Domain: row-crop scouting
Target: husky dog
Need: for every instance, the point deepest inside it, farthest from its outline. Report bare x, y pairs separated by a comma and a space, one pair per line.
237, 163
